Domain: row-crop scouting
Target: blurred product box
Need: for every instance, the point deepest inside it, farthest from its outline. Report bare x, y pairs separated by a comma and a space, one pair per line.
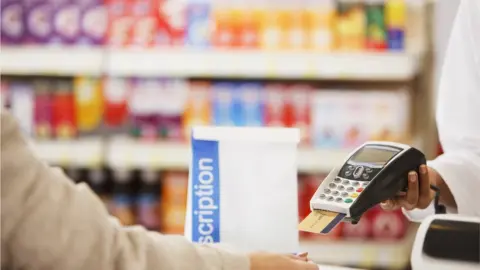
345, 119
351, 25
321, 19
13, 27
198, 108
251, 98
199, 23
172, 22
66, 22
275, 94
39, 19
299, 100
21, 97
223, 104
93, 22
174, 201
144, 23
395, 14
120, 22
377, 36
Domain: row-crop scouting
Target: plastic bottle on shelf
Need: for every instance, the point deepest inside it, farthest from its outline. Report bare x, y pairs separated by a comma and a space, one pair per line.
198, 108
395, 12
64, 119
148, 200
122, 198
174, 201
223, 24
271, 30
88, 104
116, 93
98, 181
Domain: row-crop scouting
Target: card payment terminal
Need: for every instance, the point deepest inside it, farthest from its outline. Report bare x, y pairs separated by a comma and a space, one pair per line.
372, 173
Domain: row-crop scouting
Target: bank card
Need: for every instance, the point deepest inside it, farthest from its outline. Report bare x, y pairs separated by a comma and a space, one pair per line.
321, 221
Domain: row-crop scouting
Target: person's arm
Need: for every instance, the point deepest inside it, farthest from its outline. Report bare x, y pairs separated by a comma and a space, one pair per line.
458, 114
48, 222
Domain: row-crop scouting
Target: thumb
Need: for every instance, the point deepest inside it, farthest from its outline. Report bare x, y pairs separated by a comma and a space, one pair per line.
303, 265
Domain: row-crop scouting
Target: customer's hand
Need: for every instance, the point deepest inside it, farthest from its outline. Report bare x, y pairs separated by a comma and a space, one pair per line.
270, 261
419, 194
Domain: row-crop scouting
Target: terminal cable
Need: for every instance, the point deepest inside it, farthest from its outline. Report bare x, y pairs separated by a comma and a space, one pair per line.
439, 208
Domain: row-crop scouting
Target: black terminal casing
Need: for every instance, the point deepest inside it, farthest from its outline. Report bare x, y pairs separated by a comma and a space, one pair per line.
388, 181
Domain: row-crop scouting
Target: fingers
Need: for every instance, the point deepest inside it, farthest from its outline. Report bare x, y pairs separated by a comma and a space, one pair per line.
389, 205
411, 199
424, 193
299, 257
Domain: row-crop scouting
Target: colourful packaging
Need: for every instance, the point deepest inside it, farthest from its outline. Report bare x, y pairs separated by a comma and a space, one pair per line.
143, 105
22, 104
39, 21
120, 22
63, 114
251, 15
320, 21
223, 34
223, 104
362, 230
198, 108
274, 104
43, 109
300, 97
351, 24
387, 225
395, 13
354, 118
122, 198
294, 23
148, 201
199, 23
88, 104
376, 29
66, 22
12, 25
172, 23
93, 22
170, 103
272, 34
174, 202
251, 95
117, 91
326, 108
144, 25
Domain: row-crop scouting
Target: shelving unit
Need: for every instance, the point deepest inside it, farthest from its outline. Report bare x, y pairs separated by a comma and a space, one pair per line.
210, 63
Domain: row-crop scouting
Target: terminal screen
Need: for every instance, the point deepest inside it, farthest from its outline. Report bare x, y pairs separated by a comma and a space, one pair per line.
374, 155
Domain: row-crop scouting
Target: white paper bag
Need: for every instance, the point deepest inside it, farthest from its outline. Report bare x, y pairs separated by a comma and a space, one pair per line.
243, 188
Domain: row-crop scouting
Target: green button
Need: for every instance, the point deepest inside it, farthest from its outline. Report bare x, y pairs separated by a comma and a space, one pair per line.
348, 200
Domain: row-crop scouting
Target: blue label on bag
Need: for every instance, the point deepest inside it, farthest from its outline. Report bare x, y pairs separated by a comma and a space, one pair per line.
206, 192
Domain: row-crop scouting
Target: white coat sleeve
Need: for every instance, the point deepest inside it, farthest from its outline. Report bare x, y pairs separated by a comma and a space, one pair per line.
458, 114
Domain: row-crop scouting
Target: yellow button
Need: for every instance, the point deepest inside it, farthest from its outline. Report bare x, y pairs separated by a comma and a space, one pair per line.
354, 195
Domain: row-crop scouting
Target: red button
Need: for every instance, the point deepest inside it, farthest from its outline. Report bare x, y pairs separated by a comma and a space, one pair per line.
360, 190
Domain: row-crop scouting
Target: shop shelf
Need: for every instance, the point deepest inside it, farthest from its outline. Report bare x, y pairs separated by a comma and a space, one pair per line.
382, 66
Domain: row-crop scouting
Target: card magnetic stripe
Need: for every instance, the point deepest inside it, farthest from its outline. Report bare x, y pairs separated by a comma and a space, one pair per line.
205, 196
333, 223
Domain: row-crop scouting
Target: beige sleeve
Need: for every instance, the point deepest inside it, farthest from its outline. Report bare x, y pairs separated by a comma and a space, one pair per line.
48, 222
